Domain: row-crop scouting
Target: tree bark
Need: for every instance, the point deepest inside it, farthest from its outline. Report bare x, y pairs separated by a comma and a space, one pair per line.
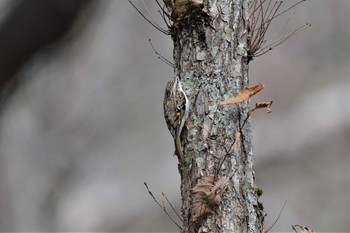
210, 54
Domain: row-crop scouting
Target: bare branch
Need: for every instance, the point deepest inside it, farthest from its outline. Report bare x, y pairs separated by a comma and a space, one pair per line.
261, 18
272, 45
162, 207
289, 8
278, 217
154, 24
172, 207
161, 57
164, 12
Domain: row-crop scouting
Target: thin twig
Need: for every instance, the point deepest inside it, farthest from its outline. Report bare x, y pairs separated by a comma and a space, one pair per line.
289, 8
275, 5
269, 19
149, 13
229, 151
282, 28
163, 10
278, 217
261, 19
165, 18
161, 57
172, 207
282, 12
156, 26
280, 41
162, 207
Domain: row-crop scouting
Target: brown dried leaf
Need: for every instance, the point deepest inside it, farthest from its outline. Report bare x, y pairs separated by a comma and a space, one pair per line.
266, 105
206, 195
243, 95
258, 105
301, 229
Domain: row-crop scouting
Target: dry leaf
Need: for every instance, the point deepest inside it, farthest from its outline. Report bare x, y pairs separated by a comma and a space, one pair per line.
243, 95
266, 105
258, 105
301, 229
206, 195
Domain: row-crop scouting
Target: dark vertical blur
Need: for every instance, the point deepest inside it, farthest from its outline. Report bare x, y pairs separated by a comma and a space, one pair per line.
29, 27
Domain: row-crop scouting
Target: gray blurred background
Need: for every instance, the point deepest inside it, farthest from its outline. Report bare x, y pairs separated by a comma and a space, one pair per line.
84, 127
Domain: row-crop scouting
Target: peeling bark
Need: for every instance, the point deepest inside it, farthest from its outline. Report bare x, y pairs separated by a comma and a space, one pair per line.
210, 54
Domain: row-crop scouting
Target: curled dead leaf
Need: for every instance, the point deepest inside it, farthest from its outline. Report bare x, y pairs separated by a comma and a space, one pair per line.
266, 105
243, 95
206, 195
301, 229
258, 105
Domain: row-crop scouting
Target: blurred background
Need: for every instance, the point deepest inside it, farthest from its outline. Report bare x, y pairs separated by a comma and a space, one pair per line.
82, 124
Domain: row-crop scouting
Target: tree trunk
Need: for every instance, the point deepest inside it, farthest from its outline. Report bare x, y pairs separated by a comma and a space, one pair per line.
210, 54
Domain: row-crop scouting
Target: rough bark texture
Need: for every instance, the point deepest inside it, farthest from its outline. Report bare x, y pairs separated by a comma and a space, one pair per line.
210, 55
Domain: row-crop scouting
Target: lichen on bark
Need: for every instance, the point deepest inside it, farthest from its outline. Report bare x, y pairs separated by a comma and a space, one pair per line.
210, 54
